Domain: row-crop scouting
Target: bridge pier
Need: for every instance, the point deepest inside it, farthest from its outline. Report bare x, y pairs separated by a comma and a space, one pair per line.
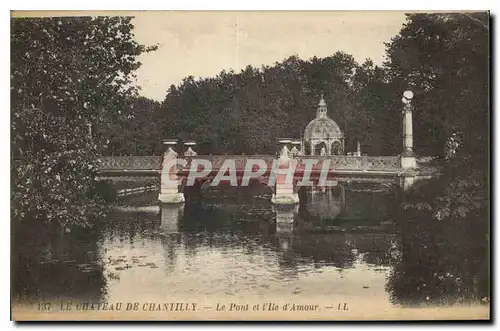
284, 193
169, 180
407, 182
408, 162
408, 165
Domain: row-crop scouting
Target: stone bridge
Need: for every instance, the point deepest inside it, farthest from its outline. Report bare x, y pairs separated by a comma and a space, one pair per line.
379, 169
173, 170
151, 166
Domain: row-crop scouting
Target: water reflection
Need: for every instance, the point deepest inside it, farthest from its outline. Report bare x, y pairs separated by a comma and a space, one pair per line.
170, 216
439, 265
62, 266
233, 248
327, 202
284, 216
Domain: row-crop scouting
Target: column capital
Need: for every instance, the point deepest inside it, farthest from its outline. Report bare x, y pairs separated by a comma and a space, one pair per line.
408, 107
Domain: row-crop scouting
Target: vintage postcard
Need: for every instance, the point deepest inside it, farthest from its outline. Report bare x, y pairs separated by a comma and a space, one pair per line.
250, 165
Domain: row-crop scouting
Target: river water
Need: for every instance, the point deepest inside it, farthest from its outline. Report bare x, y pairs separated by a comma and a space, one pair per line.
342, 246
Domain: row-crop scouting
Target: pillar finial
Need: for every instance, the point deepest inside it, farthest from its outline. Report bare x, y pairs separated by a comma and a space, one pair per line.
322, 102
407, 96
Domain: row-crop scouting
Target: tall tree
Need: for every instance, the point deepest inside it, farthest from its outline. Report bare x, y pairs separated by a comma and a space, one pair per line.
444, 59
245, 112
136, 133
70, 78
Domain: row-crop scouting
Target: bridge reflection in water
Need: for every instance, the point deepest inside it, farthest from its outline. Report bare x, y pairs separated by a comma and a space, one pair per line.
334, 208
327, 202
171, 214
234, 249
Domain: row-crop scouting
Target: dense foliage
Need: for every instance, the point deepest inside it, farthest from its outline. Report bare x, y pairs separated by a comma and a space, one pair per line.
455, 80
245, 112
70, 78
445, 59
73, 100
137, 133
70, 75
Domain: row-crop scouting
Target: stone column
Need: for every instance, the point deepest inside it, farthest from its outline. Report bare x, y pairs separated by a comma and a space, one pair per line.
408, 129
169, 180
408, 160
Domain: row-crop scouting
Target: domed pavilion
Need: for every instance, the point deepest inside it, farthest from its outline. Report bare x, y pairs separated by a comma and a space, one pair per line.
322, 136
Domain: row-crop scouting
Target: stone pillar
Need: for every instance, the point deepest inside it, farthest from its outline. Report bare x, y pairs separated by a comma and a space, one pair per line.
408, 129
407, 182
169, 180
408, 160
284, 190
296, 151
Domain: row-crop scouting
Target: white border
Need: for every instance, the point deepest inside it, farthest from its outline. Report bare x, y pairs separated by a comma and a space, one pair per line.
424, 5
427, 5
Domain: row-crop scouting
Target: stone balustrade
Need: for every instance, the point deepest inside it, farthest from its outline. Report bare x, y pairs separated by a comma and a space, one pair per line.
130, 163
337, 162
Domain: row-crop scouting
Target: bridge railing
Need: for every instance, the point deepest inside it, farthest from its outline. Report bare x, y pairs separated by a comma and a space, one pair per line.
368, 163
240, 160
130, 163
337, 162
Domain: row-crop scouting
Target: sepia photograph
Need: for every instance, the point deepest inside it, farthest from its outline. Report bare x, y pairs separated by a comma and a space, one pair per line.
250, 165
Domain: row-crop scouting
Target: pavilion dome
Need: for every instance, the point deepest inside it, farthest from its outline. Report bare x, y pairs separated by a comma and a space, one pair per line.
322, 127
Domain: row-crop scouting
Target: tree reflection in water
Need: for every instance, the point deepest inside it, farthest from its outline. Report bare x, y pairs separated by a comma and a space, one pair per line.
441, 262
429, 262
57, 266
